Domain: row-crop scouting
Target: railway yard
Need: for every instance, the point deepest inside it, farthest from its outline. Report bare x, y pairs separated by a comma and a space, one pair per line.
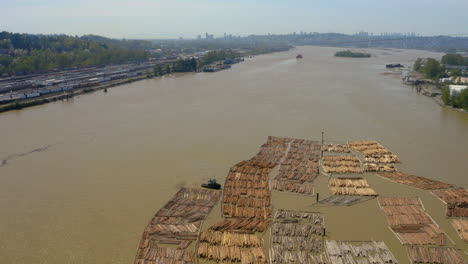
57, 82
251, 229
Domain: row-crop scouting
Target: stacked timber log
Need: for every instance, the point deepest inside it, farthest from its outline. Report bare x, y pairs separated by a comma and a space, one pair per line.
247, 205
341, 164
177, 223
461, 225
456, 200
249, 225
414, 181
369, 148
435, 255
290, 186
377, 157
299, 168
357, 252
273, 151
375, 167
408, 220
351, 186
384, 158
296, 237
343, 200
246, 191
338, 148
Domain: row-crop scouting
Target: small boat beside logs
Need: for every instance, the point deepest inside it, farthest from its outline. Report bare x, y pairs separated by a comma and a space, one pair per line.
212, 184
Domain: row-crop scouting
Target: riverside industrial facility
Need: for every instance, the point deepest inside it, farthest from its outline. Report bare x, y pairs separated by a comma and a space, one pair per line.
36, 85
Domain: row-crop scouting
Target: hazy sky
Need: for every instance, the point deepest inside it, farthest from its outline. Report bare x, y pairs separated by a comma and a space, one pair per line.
183, 18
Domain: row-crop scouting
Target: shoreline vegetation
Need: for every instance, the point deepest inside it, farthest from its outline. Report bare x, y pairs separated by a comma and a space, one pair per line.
352, 54
437, 79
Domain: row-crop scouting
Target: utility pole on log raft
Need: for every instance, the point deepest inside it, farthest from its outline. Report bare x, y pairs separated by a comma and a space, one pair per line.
321, 149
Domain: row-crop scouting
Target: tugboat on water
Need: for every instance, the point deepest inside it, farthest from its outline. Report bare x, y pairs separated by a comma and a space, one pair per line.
299, 56
396, 65
212, 184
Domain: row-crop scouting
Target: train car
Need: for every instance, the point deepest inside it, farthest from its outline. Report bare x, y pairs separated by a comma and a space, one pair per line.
32, 95
56, 89
5, 99
18, 96
44, 91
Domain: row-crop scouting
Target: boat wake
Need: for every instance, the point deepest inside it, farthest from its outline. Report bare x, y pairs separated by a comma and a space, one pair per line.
6, 160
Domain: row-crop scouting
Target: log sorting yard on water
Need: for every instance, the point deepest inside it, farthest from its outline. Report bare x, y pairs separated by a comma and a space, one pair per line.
252, 230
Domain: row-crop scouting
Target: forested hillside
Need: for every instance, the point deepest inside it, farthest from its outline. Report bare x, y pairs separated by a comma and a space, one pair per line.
27, 53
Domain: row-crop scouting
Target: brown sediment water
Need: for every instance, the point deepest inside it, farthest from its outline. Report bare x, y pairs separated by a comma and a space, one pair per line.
80, 179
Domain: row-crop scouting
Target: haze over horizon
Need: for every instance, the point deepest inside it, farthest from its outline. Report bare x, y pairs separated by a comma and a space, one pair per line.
163, 19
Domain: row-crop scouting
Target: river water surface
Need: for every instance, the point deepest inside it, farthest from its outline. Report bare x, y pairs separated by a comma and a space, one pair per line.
80, 179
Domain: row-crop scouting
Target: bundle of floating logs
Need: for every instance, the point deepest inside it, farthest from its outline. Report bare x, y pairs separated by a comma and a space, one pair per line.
246, 191
164, 255
291, 186
299, 168
377, 157
456, 200
414, 181
248, 225
369, 147
341, 164
273, 151
177, 224
435, 255
296, 237
219, 253
385, 158
376, 167
351, 186
339, 148
358, 252
461, 225
408, 220
247, 205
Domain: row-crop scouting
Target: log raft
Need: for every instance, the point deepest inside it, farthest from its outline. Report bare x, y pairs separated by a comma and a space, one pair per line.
176, 224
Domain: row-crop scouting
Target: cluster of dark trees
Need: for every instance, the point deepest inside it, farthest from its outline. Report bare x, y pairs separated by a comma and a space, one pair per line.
431, 68
192, 65
454, 59
27, 53
457, 100
217, 55
352, 54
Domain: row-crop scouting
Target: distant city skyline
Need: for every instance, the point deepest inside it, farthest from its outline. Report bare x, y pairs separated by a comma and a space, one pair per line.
188, 19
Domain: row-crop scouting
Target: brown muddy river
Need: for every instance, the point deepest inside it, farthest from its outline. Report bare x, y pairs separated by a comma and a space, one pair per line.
81, 178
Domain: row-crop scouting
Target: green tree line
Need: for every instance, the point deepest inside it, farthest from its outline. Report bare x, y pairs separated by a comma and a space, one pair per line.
432, 69
456, 100
37, 53
454, 59
352, 54
217, 55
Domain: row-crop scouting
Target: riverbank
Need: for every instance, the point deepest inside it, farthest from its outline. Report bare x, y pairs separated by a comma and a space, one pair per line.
438, 100
423, 87
20, 104
435, 93
95, 86
64, 95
